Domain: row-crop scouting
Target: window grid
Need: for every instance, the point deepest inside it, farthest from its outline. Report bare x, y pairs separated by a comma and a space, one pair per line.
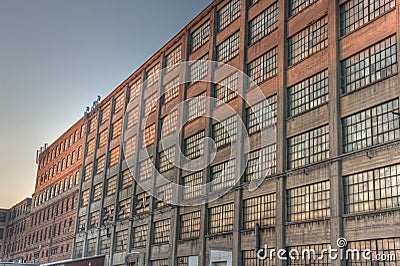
117, 129
105, 244
111, 186
92, 127
162, 262
221, 219
262, 115
127, 179
133, 117
261, 163
227, 14
167, 158
355, 13
388, 246
153, 75
319, 248
249, 258
295, 6
309, 147
114, 156
142, 203
225, 132
308, 93
192, 185
371, 127
105, 114
183, 261
97, 192
227, 88
88, 172
164, 195
198, 70
200, 36
94, 219
229, 48
308, 41
139, 236
150, 104
263, 24
124, 209
169, 123
81, 224
370, 65
260, 210
162, 231
145, 169
264, 67
194, 145
90, 145
174, 57
130, 147
135, 89
309, 202
197, 107
119, 103
149, 135
171, 90
372, 190
190, 225
223, 175
121, 241
85, 197
100, 164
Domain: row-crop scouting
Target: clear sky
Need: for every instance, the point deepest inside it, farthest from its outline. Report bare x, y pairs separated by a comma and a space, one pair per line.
57, 56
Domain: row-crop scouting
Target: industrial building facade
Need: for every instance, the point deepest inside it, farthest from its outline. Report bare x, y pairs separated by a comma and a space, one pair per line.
329, 73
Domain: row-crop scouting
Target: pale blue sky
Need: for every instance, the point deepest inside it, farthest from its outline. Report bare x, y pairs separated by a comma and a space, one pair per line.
57, 56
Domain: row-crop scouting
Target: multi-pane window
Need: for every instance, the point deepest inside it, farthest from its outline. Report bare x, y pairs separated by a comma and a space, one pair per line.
227, 14
192, 185
260, 210
153, 75
388, 248
263, 24
162, 231
224, 132
162, 262
171, 90
97, 191
81, 224
92, 126
261, 163
229, 48
183, 261
200, 36
108, 216
309, 202
150, 104
105, 244
308, 41
88, 172
124, 209
321, 258
309, 147
142, 203
372, 190
264, 67
94, 219
190, 225
85, 197
78, 250
114, 156
127, 179
221, 219
223, 175
194, 145
262, 115
111, 185
370, 65
370, 127
121, 241
164, 195
149, 135
117, 129
196, 106
90, 147
226, 89
145, 169
174, 57
169, 123
198, 70
132, 117
130, 147
308, 93
167, 158
119, 103
355, 13
249, 258
100, 164
105, 114
135, 89
139, 236
295, 6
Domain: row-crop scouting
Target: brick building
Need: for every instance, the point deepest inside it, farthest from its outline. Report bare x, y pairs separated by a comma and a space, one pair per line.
15, 231
4, 216
329, 72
